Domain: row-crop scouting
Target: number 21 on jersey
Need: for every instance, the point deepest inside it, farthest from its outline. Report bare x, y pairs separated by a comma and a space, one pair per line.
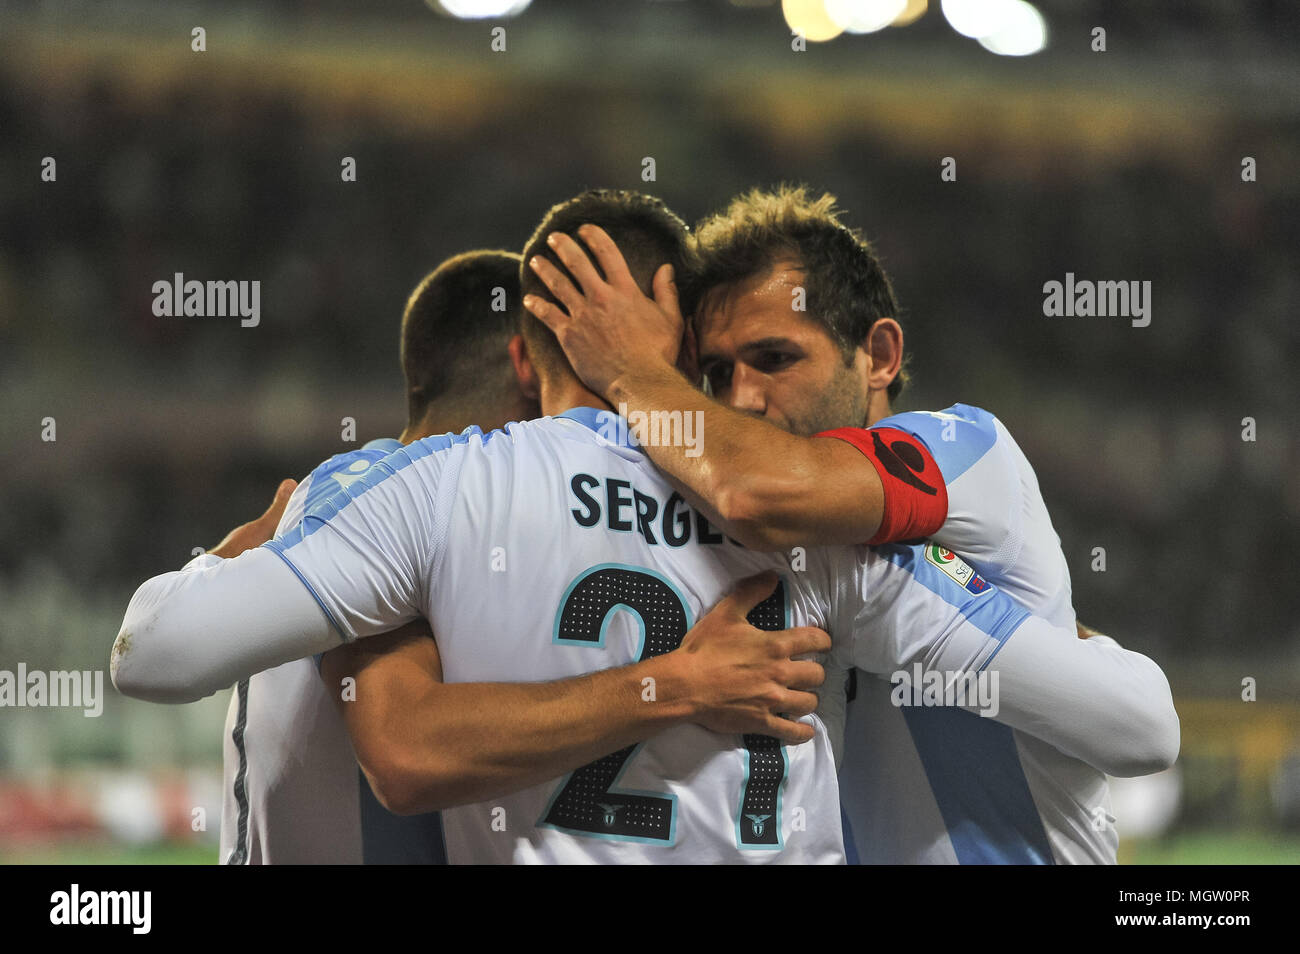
587, 802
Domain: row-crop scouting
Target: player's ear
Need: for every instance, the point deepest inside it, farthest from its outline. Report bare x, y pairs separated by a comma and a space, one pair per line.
525, 373
885, 346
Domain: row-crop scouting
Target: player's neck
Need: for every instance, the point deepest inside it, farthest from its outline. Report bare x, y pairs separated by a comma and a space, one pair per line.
878, 407
413, 434
436, 422
560, 396
488, 413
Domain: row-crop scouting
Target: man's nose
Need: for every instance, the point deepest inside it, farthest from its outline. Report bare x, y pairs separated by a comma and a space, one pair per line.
747, 392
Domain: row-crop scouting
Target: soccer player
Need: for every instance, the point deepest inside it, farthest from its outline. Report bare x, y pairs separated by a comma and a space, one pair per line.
605, 566
292, 793
796, 335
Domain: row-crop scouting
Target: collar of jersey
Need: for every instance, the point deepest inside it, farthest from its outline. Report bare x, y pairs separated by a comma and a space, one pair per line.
608, 424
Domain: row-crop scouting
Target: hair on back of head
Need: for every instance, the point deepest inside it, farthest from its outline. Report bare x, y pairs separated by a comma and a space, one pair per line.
456, 325
646, 231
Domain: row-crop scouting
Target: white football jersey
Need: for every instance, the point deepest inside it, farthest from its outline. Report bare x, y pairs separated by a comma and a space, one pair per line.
934, 785
554, 548
292, 791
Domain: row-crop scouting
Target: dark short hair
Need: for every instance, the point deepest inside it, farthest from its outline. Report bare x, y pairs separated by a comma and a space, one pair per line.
457, 321
646, 231
846, 289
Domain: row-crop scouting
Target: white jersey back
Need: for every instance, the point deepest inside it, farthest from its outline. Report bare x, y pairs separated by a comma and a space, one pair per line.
553, 549
936, 785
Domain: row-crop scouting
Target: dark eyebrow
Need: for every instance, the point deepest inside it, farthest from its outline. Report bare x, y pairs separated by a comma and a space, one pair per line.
773, 343
762, 344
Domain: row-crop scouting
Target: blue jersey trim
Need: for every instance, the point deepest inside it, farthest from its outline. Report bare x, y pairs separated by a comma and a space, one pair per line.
322, 486
322, 507
324, 510
271, 545
608, 424
978, 783
971, 432
992, 612
324, 480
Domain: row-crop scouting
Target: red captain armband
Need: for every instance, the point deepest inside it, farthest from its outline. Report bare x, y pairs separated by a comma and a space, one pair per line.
916, 497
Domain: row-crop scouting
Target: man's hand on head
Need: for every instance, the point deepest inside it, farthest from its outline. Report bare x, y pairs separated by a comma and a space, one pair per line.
607, 326
259, 531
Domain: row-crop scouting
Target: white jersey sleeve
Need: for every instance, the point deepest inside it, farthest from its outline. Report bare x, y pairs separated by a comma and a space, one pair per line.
193, 632
923, 610
1092, 699
985, 496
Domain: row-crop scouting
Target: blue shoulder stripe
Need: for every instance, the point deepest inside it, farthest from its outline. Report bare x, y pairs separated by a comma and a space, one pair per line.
956, 438
989, 610
321, 511
974, 771
342, 470
972, 763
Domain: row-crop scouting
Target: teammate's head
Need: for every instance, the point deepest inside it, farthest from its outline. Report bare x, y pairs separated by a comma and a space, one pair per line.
455, 334
794, 317
645, 230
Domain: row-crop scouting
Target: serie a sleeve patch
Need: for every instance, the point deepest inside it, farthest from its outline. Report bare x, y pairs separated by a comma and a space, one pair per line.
916, 497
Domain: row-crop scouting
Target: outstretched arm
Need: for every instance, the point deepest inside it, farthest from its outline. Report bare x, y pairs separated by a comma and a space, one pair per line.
192, 632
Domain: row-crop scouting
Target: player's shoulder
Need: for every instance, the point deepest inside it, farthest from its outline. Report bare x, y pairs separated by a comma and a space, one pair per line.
964, 421
358, 458
498, 442
600, 427
342, 470
584, 425
330, 476
447, 453
956, 437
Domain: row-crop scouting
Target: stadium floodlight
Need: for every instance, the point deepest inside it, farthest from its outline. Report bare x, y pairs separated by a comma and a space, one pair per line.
480, 9
912, 11
1023, 32
977, 18
864, 16
810, 19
